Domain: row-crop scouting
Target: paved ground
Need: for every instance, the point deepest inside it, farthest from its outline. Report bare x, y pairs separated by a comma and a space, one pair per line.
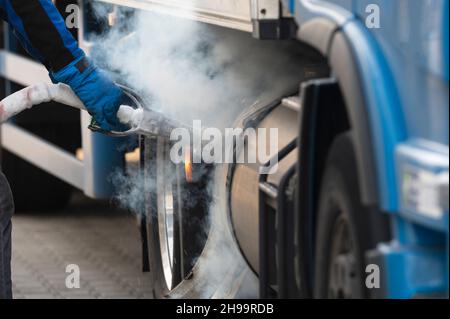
104, 243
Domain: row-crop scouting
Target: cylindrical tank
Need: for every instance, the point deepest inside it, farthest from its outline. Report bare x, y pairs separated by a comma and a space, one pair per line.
244, 186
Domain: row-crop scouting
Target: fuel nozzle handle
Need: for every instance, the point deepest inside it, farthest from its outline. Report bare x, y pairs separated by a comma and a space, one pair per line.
140, 120
45, 92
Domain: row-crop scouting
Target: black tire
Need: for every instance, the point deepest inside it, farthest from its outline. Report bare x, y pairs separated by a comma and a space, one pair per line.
190, 203
345, 228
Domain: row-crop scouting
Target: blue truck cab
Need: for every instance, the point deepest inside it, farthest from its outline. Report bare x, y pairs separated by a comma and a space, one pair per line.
399, 56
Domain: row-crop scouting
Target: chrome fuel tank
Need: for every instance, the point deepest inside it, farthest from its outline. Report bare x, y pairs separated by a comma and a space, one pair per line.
245, 179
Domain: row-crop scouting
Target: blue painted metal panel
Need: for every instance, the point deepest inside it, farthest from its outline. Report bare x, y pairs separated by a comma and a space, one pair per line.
404, 68
386, 117
107, 159
445, 39
290, 4
391, 70
308, 9
384, 107
415, 271
413, 36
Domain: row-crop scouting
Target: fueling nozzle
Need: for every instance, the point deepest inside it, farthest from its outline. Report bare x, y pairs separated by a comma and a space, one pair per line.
141, 120
135, 105
148, 122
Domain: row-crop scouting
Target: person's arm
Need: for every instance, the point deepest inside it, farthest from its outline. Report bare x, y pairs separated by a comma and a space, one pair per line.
42, 31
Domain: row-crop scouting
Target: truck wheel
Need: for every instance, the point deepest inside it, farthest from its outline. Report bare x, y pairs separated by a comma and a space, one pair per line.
344, 227
34, 189
176, 217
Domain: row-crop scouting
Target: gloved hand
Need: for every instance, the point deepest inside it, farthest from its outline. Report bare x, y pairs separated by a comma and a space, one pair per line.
95, 89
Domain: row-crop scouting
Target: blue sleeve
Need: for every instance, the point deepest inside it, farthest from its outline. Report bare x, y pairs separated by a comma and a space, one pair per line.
42, 31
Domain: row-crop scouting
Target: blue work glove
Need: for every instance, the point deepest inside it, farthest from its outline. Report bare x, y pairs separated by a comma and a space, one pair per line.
95, 89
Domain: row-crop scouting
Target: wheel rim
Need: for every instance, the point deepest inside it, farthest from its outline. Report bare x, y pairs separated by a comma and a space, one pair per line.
180, 216
166, 214
344, 277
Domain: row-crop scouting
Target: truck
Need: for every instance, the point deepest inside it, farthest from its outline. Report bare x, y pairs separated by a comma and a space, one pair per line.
358, 207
